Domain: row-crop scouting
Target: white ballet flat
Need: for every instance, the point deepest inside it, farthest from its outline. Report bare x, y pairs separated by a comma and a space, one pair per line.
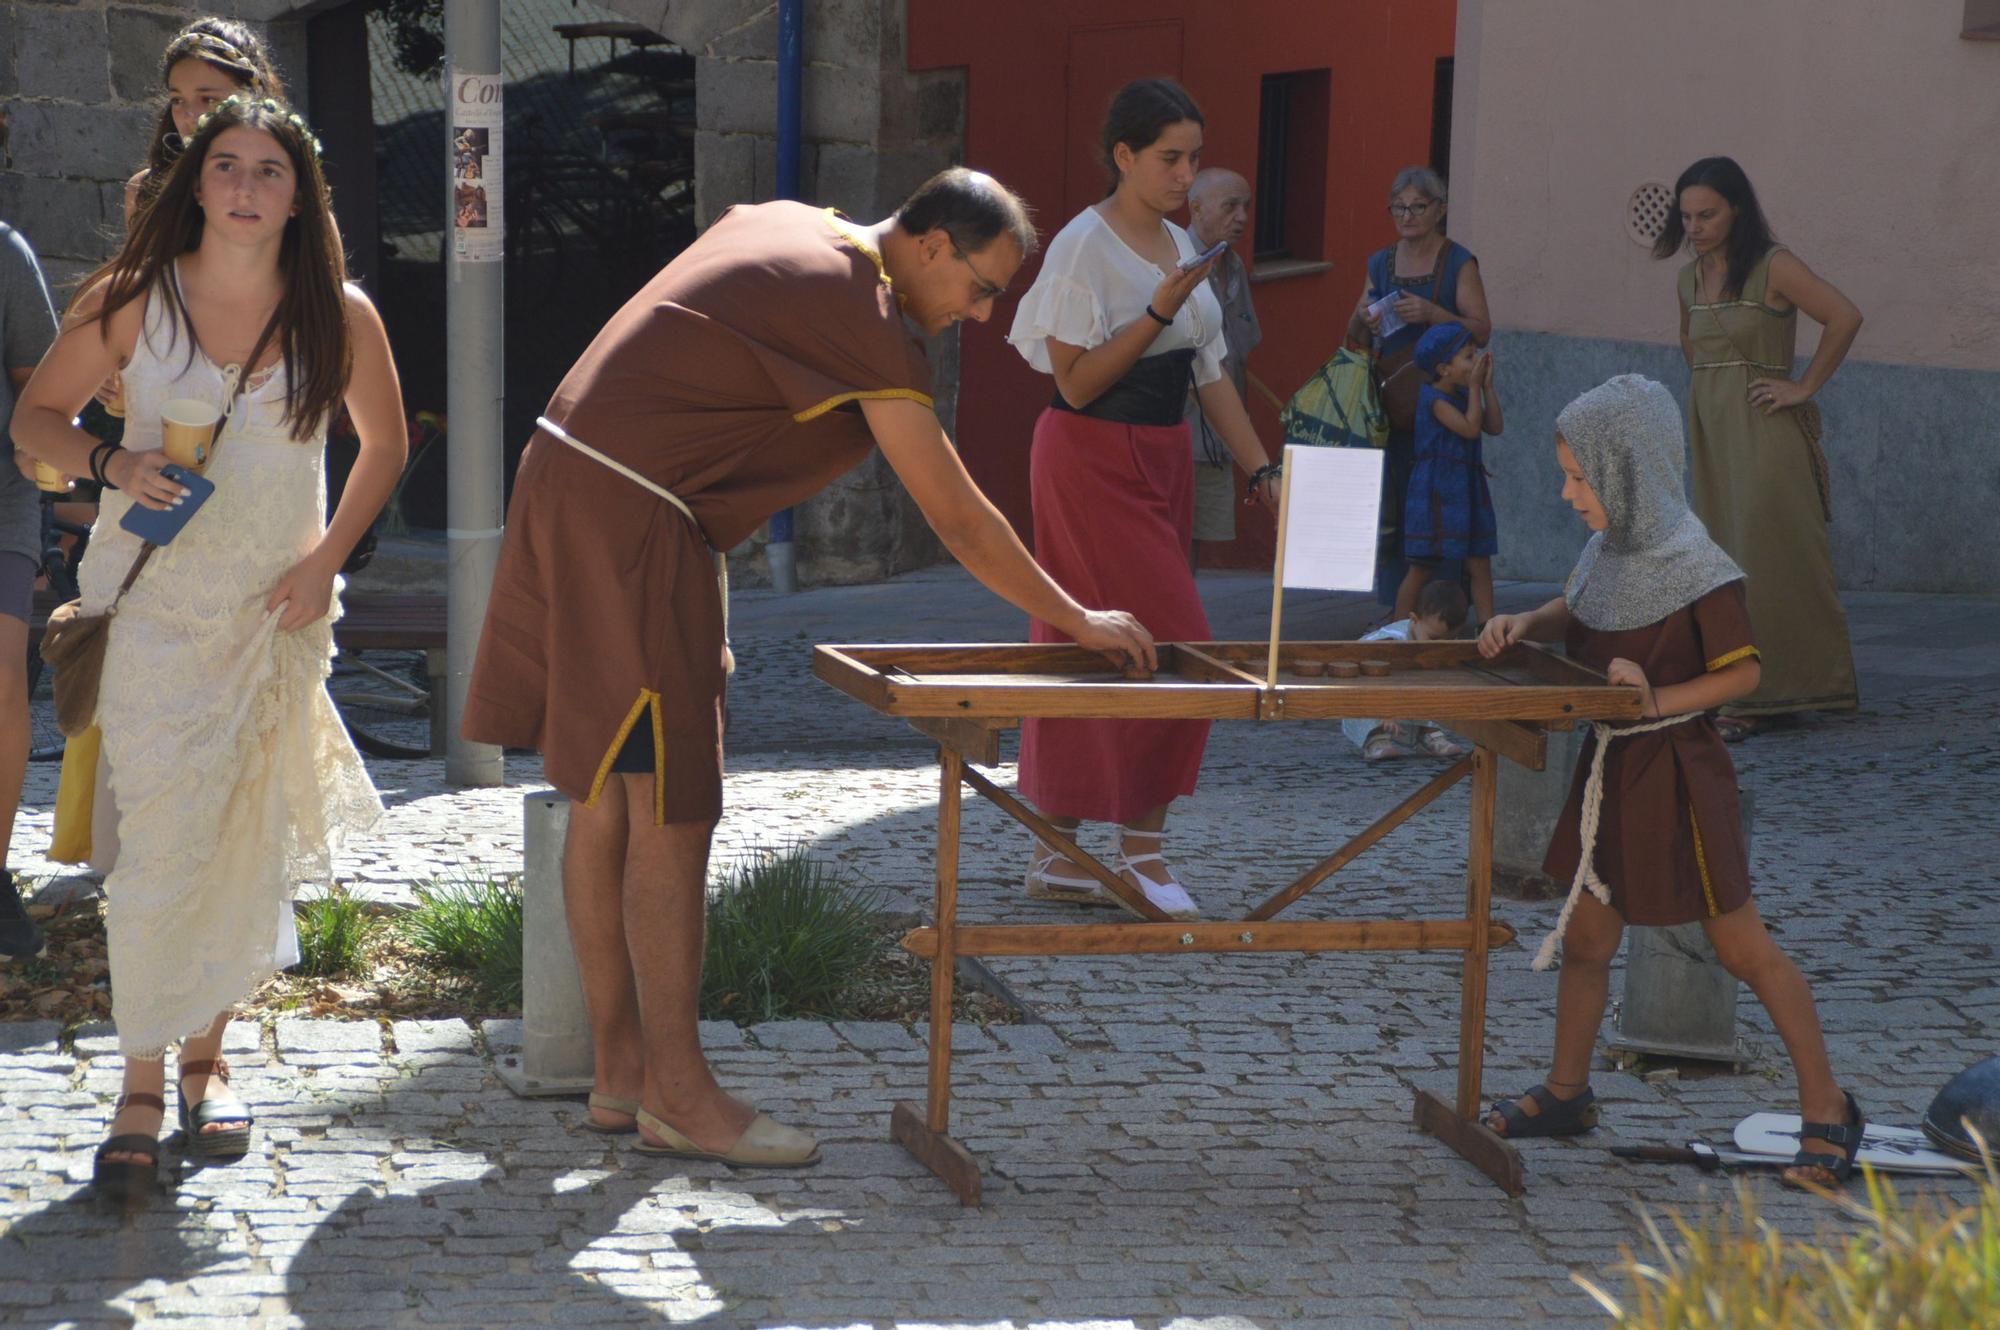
1169, 896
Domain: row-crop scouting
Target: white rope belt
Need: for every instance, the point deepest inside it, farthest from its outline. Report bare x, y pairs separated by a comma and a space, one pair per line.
1593, 811
562, 435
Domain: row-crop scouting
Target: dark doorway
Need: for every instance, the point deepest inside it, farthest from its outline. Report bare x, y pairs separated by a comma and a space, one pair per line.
1441, 119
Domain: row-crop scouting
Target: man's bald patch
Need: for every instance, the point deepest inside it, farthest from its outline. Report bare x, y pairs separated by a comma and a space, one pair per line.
1214, 178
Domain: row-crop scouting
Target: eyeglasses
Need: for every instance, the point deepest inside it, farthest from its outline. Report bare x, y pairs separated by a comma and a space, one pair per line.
987, 290
1411, 209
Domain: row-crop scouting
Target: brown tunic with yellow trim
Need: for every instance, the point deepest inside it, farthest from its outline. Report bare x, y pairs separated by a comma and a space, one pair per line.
732, 379
1670, 842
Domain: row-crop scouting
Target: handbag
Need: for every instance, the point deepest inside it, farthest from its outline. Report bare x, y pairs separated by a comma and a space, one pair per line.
73, 642
1338, 407
1397, 382
76, 800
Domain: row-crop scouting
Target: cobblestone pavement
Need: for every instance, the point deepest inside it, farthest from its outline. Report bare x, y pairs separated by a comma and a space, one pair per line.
1192, 1142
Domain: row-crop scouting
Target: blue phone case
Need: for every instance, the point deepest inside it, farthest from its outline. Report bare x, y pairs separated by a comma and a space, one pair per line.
161, 525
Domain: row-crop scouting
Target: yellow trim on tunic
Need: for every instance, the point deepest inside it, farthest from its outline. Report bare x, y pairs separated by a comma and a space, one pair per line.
871, 395
1701, 862
1741, 653
648, 699
840, 227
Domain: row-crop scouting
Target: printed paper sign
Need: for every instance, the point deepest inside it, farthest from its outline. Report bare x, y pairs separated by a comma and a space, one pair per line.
477, 235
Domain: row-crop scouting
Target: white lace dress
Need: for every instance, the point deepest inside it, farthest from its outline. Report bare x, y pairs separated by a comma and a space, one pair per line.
231, 773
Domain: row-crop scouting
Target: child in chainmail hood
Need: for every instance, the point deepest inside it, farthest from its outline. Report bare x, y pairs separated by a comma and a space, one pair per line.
1652, 833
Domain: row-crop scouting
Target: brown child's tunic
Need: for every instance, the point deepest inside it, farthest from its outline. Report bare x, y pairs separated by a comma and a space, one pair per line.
1670, 842
732, 379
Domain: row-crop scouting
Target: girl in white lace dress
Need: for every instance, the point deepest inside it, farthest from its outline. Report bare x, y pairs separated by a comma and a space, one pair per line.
229, 770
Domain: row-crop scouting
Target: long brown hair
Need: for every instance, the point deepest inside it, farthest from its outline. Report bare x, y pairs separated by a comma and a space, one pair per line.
310, 323
224, 45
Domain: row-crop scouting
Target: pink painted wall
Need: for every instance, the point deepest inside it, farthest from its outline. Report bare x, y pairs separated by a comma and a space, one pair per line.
1870, 129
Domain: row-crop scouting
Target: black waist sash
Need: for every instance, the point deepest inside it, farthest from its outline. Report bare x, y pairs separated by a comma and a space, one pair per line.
1153, 392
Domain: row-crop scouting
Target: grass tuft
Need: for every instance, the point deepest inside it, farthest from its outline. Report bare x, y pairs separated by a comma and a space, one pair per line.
787, 934
334, 933
470, 924
1904, 1266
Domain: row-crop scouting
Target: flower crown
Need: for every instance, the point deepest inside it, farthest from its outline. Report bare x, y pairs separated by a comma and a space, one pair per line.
244, 102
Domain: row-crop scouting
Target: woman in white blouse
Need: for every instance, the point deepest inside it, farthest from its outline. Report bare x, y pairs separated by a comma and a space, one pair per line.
1123, 327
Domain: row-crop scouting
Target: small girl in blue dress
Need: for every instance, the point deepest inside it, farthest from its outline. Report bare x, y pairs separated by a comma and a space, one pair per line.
1449, 512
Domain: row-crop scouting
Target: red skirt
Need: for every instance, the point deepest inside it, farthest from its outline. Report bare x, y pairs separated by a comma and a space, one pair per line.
1114, 515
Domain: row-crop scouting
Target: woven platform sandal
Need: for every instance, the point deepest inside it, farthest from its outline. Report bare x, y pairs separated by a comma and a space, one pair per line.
611, 1103
122, 1182
765, 1143
1170, 896
1846, 1136
1554, 1116
228, 1143
1046, 886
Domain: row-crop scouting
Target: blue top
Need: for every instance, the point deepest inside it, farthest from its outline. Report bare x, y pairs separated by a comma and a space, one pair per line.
1381, 277
1433, 439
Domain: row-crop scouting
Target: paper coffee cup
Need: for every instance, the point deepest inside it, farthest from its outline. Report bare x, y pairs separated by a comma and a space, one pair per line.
50, 479
187, 428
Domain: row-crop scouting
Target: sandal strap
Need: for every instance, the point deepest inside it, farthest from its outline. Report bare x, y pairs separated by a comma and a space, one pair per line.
217, 1067
1846, 1135
132, 1142
1144, 858
139, 1099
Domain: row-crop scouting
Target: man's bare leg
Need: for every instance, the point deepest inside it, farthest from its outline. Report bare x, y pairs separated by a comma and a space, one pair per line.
666, 869
594, 899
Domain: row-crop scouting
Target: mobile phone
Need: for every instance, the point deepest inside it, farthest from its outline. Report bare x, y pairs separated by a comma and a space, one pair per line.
161, 525
1202, 258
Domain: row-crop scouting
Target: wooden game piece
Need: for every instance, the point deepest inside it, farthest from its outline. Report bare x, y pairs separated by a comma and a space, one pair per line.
1375, 669
1309, 669
1137, 673
1343, 669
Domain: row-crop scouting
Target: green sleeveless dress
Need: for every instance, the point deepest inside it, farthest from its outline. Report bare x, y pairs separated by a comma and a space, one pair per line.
1760, 486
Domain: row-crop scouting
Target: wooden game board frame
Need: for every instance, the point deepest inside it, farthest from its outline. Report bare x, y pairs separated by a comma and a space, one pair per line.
969, 693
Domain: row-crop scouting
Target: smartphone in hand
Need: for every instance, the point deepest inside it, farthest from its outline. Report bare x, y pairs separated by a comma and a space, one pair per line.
161, 525
1199, 259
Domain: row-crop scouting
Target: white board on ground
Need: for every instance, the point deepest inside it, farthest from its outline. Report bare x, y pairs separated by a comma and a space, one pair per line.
1333, 500
1890, 1149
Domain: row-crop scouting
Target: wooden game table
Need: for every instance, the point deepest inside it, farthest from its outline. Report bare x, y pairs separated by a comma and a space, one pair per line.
963, 696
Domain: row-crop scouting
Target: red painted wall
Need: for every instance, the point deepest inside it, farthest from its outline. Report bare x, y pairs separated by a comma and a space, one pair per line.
1027, 109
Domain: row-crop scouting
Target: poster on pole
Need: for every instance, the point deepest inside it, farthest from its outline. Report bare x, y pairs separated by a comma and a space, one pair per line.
477, 235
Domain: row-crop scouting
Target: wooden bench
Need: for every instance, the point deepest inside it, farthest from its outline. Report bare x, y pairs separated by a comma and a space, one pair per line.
383, 622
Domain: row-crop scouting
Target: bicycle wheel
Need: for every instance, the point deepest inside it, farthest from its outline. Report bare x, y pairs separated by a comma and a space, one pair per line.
384, 699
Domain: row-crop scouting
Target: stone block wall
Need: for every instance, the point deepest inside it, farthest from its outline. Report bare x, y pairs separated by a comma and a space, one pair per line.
80, 90
874, 131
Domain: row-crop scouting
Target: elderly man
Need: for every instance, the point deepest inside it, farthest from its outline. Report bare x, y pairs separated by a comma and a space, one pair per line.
1219, 209
764, 361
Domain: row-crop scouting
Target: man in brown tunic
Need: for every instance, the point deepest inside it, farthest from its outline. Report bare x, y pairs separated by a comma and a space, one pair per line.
756, 367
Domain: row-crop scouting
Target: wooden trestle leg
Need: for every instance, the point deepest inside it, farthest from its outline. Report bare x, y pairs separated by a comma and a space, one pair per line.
925, 1134
1459, 1126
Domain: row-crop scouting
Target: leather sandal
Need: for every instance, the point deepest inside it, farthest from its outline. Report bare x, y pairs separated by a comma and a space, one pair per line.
1845, 1135
1169, 895
123, 1182
230, 1142
611, 1103
1046, 886
1554, 1116
765, 1143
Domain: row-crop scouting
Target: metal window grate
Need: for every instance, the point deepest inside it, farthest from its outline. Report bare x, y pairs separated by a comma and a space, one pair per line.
1647, 212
